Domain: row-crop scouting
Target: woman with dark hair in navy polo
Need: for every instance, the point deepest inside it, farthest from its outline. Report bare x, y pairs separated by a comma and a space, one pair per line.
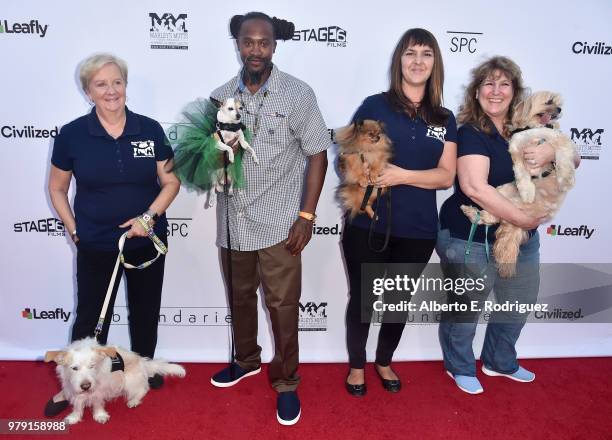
120, 161
423, 134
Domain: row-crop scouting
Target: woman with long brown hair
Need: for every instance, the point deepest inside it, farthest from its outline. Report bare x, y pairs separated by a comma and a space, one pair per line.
423, 134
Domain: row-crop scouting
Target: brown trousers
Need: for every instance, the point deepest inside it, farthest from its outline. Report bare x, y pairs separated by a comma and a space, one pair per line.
280, 275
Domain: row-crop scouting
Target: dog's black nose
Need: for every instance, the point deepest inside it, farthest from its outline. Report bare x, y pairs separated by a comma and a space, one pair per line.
238, 116
85, 386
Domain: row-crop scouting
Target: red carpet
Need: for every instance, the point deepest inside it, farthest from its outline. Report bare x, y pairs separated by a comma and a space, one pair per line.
570, 399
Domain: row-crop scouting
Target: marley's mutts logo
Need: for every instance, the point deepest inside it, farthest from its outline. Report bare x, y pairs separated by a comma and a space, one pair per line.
334, 36
313, 317
33, 27
144, 148
588, 141
436, 132
52, 226
27, 131
58, 313
581, 231
169, 31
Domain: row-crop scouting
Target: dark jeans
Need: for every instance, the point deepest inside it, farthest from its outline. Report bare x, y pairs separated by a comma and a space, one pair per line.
359, 310
144, 288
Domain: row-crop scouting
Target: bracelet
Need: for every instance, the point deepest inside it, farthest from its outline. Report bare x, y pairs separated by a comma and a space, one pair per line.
308, 216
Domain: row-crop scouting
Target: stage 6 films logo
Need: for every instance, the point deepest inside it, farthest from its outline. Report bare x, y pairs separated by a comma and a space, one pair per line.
169, 31
52, 226
332, 36
463, 41
582, 231
313, 317
588, 141
31, 27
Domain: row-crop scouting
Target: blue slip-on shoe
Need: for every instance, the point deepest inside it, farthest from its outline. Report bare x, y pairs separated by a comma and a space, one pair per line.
520, 375
288, 409
227, 378
468, 384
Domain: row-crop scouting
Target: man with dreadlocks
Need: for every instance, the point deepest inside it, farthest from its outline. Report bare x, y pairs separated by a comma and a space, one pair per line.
271, 218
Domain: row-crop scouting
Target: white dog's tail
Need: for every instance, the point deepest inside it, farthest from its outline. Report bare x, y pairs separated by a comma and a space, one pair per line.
508, 240
163, 368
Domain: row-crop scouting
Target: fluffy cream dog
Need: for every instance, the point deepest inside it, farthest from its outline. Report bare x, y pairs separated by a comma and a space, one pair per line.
538, 192
85, 370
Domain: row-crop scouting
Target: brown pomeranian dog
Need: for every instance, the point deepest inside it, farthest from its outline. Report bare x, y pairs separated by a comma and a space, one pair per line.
364, 150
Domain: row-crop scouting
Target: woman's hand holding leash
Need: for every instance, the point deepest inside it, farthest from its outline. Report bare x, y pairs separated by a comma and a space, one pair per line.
136, 229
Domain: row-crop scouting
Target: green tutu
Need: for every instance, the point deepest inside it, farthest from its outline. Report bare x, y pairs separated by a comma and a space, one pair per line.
196, 157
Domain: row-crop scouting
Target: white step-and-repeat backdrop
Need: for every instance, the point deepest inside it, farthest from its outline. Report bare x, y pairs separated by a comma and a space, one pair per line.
180, 50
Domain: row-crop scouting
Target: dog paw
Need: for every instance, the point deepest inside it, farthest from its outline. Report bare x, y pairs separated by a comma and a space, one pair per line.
470, 212
133, 403
255, 159
527, 193
101, 416
73, 418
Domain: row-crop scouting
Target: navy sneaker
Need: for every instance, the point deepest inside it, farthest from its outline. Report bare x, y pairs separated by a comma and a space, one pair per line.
225, 378
288, 408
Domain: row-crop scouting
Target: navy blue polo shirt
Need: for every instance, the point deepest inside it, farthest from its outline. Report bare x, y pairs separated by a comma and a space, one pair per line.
116, 179
493, 146
416, 146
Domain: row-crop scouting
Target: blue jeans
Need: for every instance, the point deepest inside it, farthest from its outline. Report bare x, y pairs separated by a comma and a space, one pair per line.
504, 327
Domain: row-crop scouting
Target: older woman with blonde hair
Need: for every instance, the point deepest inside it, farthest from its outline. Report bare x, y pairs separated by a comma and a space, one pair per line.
483, 163
120, 161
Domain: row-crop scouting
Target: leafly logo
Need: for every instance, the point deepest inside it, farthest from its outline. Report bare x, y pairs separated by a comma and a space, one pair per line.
332, 36
31, 27
436, 132
568, 231
588, 141
313, 317
52, 226
58, 313
144, 148
169, 31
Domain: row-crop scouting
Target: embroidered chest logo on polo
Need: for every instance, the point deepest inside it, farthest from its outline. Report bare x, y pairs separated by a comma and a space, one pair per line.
436, 132
144, 148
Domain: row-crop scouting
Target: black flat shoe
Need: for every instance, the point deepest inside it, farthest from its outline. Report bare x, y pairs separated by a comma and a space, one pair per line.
156, 381
391, 385
356, 390
53, 409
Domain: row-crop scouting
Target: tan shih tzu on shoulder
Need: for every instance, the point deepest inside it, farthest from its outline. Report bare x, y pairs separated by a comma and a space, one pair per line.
539, 192
364, 150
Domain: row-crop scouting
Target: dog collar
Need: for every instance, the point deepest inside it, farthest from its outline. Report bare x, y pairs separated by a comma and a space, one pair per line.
117, 363
518, 130
231, 127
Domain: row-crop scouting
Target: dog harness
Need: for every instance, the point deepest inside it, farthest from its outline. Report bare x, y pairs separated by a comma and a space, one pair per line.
518, 130
117, 363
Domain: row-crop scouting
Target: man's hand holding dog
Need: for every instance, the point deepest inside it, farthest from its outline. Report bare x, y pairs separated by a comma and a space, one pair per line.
537, 156
299, 236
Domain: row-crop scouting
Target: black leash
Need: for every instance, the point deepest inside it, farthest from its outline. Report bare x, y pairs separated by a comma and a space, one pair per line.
374, 221
230, 282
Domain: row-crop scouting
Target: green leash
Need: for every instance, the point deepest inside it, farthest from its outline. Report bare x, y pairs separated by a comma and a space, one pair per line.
468, 246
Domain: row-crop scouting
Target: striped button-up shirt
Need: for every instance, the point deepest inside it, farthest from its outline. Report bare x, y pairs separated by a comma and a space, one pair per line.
287, 127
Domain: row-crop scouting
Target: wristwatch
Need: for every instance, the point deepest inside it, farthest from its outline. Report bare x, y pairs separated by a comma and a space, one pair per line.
150, 216
308, 216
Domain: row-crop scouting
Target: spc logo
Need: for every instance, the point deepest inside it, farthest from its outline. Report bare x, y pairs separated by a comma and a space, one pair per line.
581, 231
588, 141
144, 148
463, 41
58, 313
169, 31
313, 317
334, 36
178, 227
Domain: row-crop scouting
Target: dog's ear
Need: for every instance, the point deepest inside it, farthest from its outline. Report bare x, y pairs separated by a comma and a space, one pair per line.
107, 351
216, 102
59, 357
